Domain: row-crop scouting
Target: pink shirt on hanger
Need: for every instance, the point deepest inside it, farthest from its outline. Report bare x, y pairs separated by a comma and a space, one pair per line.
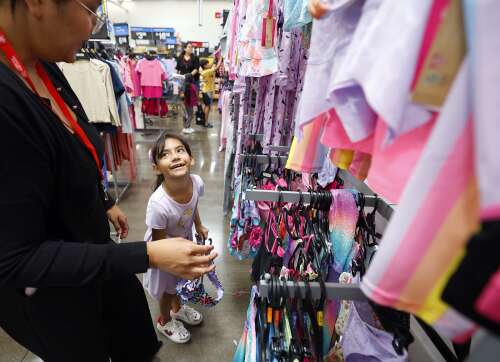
151, 73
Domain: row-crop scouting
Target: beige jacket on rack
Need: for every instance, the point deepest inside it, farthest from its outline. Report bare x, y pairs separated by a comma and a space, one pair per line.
92, 83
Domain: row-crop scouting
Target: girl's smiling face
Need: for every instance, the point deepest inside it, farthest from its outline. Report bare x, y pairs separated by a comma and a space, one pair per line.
174, 161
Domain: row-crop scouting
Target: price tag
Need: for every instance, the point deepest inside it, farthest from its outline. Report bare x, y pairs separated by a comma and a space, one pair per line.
443, 60
268, 30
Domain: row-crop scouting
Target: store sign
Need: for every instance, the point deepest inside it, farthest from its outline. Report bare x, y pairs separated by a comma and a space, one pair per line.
162, 34
171, 41
121, 29
218, 15
122, 40
138, 33
198, 44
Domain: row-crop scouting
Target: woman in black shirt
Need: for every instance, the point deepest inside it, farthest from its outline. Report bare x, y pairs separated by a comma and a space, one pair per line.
67, 292
189, 63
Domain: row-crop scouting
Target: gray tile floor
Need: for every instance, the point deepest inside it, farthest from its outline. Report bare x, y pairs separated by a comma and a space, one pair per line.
215, 339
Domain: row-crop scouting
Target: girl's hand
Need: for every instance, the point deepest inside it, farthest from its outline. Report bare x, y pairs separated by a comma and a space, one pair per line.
202, 231
119, 221
181, 257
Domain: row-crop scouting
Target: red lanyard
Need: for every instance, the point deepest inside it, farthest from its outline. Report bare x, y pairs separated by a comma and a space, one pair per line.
18, 66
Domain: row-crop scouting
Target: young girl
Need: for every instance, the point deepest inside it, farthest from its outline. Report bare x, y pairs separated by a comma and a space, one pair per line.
171, 212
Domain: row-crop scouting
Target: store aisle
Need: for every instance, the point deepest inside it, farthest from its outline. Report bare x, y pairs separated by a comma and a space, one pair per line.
223, 324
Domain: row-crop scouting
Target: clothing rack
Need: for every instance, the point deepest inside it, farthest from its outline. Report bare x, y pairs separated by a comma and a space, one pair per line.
333, 290
383, 208
279, 149
264, 159
125, 185
425, 347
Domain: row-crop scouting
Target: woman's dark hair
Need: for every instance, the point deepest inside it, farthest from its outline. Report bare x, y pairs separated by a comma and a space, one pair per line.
203, 62
158, 148
184, 49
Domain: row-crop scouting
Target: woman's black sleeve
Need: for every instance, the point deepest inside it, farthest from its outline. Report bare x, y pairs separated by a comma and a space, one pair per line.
27, 166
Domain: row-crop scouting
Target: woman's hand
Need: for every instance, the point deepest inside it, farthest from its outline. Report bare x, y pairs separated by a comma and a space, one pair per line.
181, 257
119, 221
202, 231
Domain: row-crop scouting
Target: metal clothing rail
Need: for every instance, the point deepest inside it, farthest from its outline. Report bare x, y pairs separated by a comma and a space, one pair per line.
279, 149
383, 208
333, 290
264, 159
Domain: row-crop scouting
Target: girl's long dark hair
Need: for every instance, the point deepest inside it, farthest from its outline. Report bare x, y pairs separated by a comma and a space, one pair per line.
158, 148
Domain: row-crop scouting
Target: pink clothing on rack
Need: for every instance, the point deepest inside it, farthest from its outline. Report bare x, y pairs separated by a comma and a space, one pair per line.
135, 78
152, 92
393, 165
151, 72
335, 136
126, 75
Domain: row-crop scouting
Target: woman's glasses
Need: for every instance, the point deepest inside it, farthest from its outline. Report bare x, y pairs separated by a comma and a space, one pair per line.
100, 21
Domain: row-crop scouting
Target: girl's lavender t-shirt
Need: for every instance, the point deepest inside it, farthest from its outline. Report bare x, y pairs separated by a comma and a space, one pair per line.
164, 213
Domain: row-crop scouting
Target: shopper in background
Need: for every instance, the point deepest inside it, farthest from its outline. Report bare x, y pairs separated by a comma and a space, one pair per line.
190, 102
172, 210
189, 63
208, 86
67, 292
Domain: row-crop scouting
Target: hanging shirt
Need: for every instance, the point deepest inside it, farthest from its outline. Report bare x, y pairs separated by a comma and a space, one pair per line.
437, 214
296, 14
151, 72
91, 81
256, 60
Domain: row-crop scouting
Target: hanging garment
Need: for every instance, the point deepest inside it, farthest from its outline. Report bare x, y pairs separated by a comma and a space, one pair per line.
343, 218
126, 75
151, 73
255, 59
392, 165
135, 78
474, 288
437, 213
225, 119
92, 83
308, 154
372, 52
362, 342
247, 347
347, 97
244, 236
296, 14
330, 39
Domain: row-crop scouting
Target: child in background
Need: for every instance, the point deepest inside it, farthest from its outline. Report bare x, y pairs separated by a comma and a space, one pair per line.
208, 86
190, 101
172, 210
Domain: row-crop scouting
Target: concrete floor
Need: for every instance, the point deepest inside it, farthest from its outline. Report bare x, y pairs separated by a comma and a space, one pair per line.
214, 339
